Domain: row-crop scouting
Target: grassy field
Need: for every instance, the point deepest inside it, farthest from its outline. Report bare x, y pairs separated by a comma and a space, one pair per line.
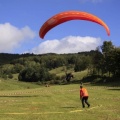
57, 102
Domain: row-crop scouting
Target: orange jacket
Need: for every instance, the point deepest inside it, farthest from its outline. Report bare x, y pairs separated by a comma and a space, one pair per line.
83, 92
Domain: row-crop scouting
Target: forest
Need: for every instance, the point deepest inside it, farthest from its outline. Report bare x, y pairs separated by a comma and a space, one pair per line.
102, 62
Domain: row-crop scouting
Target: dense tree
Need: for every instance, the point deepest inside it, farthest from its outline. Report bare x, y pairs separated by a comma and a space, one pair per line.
34, 75
97, 62
82, 63
107, 47
114, 62
107, 59
33, 68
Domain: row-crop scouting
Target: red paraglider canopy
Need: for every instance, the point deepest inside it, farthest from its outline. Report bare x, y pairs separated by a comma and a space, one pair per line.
67, 16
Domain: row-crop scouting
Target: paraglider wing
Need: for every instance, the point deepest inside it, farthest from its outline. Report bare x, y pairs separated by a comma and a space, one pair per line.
67, 16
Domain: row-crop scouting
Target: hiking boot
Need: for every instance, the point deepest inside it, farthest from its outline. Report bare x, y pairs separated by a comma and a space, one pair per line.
88, 106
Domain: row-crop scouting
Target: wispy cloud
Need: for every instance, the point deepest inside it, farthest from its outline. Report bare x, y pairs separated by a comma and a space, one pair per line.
92, 1
70, 44
11, 37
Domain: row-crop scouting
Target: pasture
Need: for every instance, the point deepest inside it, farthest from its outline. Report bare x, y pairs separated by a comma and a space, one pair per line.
58, 102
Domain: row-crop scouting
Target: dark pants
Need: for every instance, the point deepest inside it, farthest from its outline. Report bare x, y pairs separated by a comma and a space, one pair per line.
85, 100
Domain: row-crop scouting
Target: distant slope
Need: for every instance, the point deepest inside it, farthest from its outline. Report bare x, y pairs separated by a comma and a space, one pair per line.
77, 75
16, 85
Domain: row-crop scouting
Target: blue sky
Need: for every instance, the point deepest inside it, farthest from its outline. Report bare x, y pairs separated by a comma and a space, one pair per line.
20, 22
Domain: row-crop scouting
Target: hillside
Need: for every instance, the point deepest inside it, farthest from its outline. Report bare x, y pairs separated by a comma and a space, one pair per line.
6, 58
54, 68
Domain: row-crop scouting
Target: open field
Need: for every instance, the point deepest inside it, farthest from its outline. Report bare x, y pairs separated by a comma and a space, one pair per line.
59, 102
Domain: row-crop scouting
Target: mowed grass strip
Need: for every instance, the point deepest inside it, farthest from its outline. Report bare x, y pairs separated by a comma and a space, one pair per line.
60, 102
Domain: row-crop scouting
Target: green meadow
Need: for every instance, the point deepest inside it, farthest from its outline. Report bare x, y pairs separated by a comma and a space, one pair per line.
28, 101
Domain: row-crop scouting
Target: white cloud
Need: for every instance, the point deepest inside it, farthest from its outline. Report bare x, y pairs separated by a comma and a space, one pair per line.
11, 37
70, 44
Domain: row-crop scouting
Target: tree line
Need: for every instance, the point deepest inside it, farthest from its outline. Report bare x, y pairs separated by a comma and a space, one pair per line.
35, 68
